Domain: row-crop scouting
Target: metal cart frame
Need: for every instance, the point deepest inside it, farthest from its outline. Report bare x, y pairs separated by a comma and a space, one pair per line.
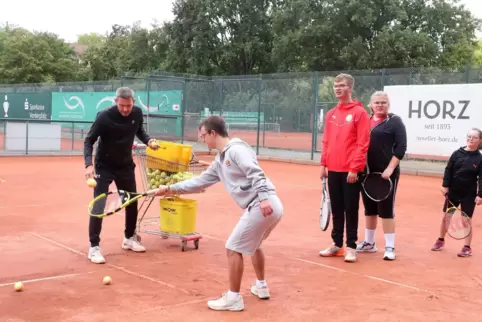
146, 224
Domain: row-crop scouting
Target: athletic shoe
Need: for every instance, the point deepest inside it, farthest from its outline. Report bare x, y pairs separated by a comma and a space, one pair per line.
223, 304
333, 251
366, 247
438, 245
350, 255
133, 244
389, 254
465, 252
95, 255
261, 292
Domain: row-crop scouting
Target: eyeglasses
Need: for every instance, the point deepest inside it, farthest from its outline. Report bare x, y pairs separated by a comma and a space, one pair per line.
203, 136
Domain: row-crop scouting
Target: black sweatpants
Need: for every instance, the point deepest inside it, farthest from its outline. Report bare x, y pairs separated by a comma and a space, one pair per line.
345, 203
124, 179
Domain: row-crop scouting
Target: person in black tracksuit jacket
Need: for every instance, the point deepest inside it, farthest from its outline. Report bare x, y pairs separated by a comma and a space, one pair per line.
116, 128
388, 145
462, 184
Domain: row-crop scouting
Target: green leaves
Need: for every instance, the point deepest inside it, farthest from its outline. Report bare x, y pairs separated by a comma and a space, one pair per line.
238, 37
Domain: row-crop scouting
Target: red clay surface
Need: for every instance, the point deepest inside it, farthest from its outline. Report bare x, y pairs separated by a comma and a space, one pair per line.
44, 242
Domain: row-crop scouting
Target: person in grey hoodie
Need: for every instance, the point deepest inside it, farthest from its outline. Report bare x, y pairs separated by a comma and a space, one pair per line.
236, 166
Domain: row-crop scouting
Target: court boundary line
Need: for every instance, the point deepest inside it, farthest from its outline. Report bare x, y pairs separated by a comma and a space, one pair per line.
119, 268
48, 278
414, 288
345, 271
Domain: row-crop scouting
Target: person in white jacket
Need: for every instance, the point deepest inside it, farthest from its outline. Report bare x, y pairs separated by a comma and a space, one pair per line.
236, 166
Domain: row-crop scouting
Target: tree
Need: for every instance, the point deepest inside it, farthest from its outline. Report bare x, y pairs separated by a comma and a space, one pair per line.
27, 57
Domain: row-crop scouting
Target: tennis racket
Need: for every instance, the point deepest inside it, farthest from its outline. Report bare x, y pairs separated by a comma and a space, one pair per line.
457, 222
194, 160
376, 187
109, 203
325, 207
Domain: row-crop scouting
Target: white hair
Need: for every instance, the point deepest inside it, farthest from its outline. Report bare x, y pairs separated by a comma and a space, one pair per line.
380, 93
124, 92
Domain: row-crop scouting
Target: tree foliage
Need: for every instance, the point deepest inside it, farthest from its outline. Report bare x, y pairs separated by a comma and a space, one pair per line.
238, 37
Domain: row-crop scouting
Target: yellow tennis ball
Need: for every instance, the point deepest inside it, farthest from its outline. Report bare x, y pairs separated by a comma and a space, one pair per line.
91, 182
18, 286
107, 280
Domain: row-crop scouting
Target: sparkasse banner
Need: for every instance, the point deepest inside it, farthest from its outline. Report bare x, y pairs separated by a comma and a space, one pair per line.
437, 117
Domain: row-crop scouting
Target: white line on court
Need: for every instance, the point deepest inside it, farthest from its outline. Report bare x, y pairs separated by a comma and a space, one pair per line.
346, 271
219, 239
363, 275
42, 279
120, 268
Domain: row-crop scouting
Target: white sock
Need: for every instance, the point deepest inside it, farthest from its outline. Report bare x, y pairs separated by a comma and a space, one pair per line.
261, 283
390, 240
370, 235
232, 296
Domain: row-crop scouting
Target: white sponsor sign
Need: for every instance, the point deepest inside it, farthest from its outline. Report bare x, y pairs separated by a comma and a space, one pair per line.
437, 117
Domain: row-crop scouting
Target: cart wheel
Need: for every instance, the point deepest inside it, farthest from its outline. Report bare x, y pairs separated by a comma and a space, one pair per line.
196, 244
183, 245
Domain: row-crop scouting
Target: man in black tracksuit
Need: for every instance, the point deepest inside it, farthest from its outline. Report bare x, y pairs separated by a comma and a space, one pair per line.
388, 145
116, 128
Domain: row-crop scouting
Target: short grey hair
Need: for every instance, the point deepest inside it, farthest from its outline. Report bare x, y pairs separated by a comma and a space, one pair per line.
380, 93
124, 92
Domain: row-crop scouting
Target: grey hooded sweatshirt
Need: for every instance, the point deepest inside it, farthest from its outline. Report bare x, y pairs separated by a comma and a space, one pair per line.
237, 168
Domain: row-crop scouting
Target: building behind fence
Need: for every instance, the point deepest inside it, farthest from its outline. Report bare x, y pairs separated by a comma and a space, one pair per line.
277, 111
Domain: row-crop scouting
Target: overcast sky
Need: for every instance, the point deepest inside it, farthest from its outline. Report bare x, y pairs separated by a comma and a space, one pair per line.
86, 16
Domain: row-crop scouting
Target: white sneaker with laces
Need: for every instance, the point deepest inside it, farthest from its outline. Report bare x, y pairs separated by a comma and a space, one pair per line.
95, 255
365, 247
261, 292
133, 244
224, 304
389, 254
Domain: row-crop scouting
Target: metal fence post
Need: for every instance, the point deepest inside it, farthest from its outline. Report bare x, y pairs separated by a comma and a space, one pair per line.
26, 137
183, 109
314, 129
260, 84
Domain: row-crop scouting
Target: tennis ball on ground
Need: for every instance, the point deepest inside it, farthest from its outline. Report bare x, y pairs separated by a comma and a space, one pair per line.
91, 182
107, 280
18, 286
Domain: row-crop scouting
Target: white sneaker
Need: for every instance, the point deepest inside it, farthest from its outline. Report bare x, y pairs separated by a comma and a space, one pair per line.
95, 255
350, 255
261, 292
389, 254
365, 247
223, 304
133, 244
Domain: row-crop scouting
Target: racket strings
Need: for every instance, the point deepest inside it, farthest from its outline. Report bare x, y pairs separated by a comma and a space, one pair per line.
377, 187
457, 223
108, 203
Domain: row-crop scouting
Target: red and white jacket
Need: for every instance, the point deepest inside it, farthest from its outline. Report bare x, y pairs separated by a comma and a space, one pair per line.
346, 138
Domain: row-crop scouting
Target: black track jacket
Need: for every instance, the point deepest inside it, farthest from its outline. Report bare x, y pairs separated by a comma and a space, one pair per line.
116, 135
387, 139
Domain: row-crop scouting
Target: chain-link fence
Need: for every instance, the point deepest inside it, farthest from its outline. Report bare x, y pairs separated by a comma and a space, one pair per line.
276, 112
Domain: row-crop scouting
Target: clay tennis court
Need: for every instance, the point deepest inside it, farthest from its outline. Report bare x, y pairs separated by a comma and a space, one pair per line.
44, 240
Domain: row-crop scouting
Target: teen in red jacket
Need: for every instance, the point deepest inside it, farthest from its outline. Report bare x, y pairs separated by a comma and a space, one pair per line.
345, 145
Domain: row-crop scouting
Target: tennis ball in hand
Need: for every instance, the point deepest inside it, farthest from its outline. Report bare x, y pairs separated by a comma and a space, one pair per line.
91, 183
18, 286
107, 280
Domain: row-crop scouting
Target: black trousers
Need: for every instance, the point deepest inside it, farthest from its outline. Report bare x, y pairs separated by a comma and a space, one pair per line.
345, 203
124, 179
